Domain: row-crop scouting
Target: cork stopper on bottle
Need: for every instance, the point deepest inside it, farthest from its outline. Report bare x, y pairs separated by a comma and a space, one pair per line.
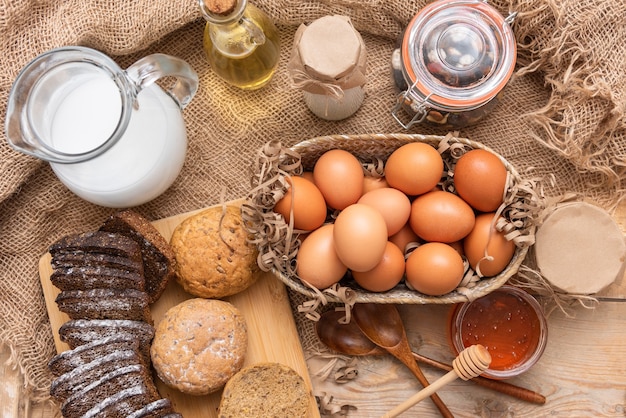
220, 7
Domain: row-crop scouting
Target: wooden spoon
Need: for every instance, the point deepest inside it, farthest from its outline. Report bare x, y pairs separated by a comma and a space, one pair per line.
469, 363
348, 339
382, 324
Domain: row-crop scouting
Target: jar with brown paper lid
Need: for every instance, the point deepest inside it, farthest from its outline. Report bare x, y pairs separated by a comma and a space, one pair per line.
579, 248
328, 63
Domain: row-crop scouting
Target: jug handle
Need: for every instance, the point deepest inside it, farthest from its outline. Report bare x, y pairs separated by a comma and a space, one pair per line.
150, 68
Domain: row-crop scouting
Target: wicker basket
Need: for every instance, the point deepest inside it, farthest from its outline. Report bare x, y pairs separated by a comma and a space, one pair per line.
367, 148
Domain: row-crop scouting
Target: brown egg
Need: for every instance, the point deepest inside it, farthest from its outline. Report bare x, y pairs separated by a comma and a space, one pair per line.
339, 176
434, 269
485, 237
441, 217
317, 261
372, 183
309, 206
387, 273
403, 237
394, 205
414, 168
308, 175
360, 237
480, 179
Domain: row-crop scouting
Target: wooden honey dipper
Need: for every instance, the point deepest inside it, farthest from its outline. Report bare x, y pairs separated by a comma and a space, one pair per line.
470, 363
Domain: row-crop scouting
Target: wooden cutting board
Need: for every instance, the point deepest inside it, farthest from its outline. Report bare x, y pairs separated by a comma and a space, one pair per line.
272, 334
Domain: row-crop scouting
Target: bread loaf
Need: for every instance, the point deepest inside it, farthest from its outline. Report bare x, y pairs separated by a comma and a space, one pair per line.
265, 390
213, 256
199, 345
157, 254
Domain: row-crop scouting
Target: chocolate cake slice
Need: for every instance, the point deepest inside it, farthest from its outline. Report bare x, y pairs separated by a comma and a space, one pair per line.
157, 254
105, 304
69, 383
131, 387
71, 359
96, 277
84, 331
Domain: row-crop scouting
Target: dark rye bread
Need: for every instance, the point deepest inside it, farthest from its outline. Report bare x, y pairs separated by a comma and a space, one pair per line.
105, 304
84, 331
130, 386
68, 383
90, 277
77, 259
157, 254
96, 242
71, 359
157, 409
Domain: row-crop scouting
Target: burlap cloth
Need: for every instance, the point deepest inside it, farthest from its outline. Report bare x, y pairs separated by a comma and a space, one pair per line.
563, 113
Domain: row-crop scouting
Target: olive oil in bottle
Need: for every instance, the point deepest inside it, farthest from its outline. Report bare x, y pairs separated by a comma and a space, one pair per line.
241, 42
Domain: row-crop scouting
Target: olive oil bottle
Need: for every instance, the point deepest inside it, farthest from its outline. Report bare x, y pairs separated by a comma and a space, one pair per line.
241, 42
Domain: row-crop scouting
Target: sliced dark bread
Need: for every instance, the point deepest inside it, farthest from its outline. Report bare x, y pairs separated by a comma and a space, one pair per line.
97, 242
157, 409
68, 383
71, 359
105, 304
84, 331
90, 277
131, 385
157, 254
70, 260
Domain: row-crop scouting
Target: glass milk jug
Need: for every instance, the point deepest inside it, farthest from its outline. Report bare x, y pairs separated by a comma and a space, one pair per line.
113, 137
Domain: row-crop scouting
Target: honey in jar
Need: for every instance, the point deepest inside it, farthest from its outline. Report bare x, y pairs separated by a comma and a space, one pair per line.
509, 323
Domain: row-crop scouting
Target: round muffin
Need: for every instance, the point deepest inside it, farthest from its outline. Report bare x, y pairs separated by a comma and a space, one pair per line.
213, 256
265, 390
199, 345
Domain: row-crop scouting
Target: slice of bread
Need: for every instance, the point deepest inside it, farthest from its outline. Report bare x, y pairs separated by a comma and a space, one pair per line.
112, 387
70, 359
69, 260
83, 331
158, 408
157, 254
89, 277
96, 242
105, 304
68, 383
265, 390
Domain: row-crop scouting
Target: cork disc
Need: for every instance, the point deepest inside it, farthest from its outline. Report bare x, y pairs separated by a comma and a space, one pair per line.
580, 249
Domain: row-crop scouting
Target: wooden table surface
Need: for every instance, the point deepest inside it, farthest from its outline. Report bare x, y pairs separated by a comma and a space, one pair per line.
582, 372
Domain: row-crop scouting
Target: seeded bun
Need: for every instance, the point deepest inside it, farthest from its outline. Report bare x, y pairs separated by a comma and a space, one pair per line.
199, 345
265, 390
213, 256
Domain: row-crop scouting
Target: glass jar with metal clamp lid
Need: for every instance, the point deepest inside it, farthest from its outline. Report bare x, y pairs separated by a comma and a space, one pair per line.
455, 57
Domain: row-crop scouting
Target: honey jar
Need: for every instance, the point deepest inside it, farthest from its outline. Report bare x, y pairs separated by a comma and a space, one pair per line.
509, 322
453, 60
